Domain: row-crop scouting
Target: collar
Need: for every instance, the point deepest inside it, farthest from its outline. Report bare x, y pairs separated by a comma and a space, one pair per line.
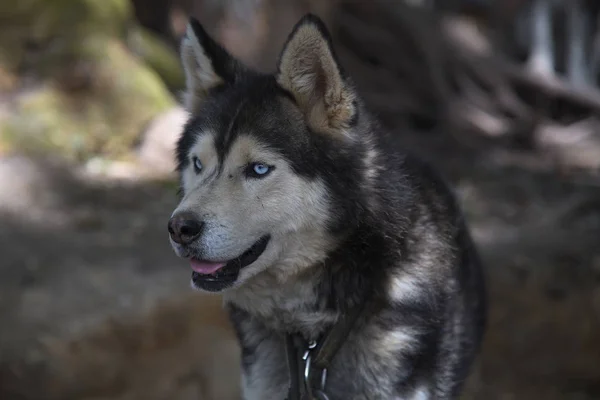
308, 361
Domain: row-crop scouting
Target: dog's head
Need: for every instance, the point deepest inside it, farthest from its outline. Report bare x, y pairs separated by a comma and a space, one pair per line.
270, 165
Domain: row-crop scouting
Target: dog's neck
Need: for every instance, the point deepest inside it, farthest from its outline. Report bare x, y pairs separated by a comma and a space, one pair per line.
293, 306
311, 300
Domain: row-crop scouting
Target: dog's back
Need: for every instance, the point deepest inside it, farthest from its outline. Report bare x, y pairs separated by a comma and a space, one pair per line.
465, 315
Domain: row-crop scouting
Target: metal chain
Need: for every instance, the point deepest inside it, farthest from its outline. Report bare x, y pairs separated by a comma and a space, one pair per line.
318, 394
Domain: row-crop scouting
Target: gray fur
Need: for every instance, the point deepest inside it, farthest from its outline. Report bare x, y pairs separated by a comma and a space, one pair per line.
352, 219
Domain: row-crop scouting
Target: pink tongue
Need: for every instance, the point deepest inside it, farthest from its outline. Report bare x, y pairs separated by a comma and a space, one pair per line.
204, 267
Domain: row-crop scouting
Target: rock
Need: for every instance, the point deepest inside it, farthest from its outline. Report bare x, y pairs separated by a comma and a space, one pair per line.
157, 151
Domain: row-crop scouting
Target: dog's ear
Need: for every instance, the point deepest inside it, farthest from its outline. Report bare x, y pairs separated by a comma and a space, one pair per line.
206, 65
309, 70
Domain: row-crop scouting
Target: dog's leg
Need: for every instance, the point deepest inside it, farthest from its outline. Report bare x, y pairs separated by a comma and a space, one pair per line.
541, 56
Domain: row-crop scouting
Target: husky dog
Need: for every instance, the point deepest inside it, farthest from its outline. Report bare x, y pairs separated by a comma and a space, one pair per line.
308, 217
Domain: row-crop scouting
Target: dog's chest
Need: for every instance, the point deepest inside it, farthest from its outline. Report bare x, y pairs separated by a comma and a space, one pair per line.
359, 370
355, 372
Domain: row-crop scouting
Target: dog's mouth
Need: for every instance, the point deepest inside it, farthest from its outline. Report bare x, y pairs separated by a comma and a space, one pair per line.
215, 276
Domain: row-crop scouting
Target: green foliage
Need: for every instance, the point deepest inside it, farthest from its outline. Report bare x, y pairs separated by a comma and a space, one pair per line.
55, 28
156, 54
92, 94
105, 120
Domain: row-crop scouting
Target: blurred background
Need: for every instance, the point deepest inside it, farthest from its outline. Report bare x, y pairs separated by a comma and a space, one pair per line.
502, 96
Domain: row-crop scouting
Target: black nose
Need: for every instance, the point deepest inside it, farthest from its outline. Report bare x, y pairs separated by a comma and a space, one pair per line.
184, 228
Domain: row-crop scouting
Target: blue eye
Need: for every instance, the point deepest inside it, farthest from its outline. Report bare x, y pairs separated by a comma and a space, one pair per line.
258, 170
197, 164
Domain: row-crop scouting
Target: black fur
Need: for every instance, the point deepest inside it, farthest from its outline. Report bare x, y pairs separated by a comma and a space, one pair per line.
385, 226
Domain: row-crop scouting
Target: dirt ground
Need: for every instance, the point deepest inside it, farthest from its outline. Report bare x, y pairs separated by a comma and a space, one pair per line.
95, 305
